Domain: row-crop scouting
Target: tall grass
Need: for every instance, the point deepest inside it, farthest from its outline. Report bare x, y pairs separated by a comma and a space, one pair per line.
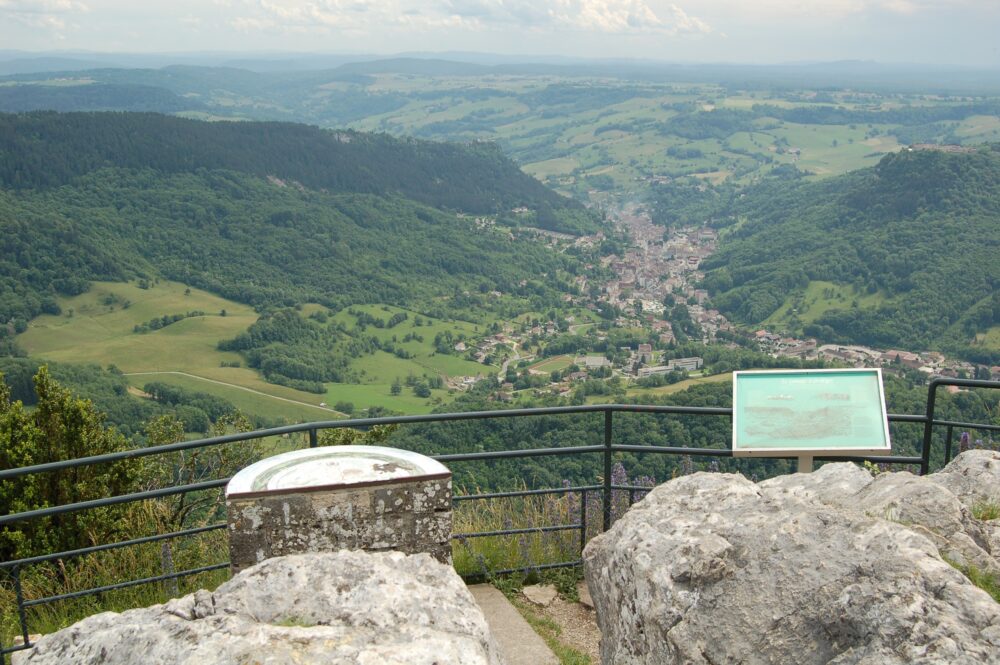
580, 511
66, 576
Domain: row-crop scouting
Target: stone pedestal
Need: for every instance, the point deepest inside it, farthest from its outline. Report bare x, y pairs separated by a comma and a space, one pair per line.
340, 497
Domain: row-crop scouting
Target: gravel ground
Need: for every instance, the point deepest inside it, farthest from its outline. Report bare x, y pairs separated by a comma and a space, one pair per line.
578, 624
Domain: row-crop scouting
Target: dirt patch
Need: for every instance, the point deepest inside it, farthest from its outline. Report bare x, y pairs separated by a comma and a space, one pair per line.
139, 393
577, 624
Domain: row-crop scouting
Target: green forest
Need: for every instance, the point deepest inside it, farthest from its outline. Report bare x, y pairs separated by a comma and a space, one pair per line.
74, 209
915, 239
46, 150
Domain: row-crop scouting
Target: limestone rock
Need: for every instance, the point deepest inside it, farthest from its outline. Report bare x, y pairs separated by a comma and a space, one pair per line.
973, 477
712, 568
345, 607
540, 594
585, 598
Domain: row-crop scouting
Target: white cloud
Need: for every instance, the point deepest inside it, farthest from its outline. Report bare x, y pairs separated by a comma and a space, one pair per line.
45, 14
820, 9
611, 16
600, 16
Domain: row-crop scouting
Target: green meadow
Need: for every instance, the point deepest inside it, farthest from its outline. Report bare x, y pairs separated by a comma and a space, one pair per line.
556, 363
367, 395
820, 297
384, 367
990, 339
269, 406
574, 145
97, 327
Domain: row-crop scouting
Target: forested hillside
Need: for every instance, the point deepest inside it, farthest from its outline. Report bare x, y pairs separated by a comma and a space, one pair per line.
42, 150
263, 213
916, 240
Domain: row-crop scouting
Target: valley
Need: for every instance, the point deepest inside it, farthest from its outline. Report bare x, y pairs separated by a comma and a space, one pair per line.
406, 293
480, 280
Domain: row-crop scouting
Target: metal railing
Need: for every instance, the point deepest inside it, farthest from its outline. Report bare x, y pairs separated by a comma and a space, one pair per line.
606, 489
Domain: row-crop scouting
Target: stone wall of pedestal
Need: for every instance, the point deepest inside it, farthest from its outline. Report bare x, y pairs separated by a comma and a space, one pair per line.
410, 513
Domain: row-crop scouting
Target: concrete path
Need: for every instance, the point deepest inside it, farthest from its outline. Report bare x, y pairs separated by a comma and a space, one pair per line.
519, 644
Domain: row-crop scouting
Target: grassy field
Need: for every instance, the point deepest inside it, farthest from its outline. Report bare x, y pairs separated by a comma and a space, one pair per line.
265, 406
818, 298
367, 395
384, 367
575, 146
97, 327
990, 339
663, 390
679, 386
553, 364
979, 128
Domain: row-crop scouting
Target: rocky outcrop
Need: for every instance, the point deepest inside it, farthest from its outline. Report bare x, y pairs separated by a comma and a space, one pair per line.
344, 607
836, 566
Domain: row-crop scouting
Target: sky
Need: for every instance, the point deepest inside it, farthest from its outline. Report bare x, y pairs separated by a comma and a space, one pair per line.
953, 32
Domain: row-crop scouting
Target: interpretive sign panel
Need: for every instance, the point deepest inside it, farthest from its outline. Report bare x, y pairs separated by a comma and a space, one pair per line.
806, 413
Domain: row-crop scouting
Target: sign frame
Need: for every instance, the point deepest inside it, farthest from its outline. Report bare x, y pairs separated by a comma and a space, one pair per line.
806, 453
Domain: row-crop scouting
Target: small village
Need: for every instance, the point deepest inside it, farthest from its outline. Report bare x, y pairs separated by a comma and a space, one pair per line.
661, 267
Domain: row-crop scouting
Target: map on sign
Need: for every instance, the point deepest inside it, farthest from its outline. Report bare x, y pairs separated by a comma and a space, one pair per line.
811, 412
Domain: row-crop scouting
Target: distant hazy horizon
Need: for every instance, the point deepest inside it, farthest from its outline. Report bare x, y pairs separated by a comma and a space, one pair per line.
920, 32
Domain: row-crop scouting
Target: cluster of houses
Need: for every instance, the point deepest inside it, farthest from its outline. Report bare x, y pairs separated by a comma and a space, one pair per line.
662, 268
928, 362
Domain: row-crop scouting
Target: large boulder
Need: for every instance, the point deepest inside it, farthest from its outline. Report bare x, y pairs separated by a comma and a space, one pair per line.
347, 607
830, 567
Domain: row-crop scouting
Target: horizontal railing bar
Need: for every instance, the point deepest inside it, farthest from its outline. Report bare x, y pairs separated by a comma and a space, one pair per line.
515, 532
461, 457
355, 422
15, 649
110, 546
670, 450
906, 418
134, 453
525, 569
657, 408
112, 500
391, 420
508, 454
425, 418
964, 383
124, 585
502, 495
979, 426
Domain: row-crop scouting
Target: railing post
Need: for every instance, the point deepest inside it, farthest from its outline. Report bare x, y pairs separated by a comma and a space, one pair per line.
925, 455
21, 614
947, 445
606, 500
313, 438
583, 520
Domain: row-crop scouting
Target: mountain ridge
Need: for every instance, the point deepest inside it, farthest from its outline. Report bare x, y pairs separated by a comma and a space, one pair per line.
135, 203
919, 230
